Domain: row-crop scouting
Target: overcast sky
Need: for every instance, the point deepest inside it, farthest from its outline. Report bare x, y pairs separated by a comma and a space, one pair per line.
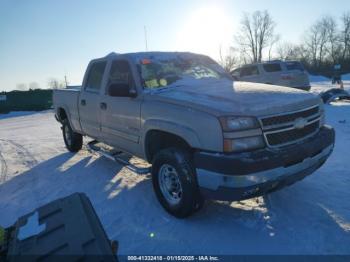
40, 39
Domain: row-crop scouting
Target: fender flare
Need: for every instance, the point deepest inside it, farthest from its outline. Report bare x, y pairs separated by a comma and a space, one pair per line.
65, 108
185, 132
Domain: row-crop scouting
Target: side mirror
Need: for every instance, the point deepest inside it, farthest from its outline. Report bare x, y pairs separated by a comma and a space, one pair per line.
121, 90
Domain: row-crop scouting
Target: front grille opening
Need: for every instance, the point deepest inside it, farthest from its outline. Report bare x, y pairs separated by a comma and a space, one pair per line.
288, 136
277, 120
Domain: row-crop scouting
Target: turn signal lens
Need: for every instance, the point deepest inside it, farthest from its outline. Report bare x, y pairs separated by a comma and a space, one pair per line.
243, 144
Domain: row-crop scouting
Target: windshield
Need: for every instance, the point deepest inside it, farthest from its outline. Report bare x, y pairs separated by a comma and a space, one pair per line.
165, 71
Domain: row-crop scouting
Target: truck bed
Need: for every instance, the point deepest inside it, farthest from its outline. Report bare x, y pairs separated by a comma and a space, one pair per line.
68, 99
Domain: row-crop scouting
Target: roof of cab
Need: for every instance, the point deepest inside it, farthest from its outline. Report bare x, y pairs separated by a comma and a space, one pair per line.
141, 55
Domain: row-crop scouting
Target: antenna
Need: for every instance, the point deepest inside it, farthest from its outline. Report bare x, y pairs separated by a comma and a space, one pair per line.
145, 30
65, 80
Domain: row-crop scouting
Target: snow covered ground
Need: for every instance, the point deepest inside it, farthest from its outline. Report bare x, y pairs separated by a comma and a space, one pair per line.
310, 217
321, 83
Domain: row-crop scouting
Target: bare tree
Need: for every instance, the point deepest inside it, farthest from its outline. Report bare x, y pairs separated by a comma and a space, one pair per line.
228, 61
333, 46
322, 27
273, 41
256, 33
34, 85
286, 51
54, 83
312, 43
345, 36
21, 86
321, 39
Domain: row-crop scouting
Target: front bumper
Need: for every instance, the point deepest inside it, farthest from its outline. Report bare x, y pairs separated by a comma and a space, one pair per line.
245, 175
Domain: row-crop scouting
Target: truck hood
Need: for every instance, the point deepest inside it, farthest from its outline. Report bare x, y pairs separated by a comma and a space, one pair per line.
236, 98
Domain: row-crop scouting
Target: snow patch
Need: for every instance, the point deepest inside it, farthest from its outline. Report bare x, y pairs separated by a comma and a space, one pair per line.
318, 78
309, 217
31, 228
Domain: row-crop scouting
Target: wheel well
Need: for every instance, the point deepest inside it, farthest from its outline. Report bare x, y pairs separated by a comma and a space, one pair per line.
61, 114
157, 140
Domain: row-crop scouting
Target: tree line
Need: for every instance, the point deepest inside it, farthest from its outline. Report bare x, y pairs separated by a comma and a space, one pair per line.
52, 83
324, 44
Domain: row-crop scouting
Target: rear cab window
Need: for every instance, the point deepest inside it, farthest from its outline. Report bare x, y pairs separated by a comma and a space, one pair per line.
273, 67
95, 76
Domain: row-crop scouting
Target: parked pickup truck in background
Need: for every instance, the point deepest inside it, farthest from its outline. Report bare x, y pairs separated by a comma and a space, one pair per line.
205, 135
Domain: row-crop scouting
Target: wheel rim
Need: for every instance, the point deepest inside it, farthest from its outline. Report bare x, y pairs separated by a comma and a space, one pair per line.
169, 183
67, 135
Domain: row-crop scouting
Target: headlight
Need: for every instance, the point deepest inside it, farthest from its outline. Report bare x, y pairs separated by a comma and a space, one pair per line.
323, 115
238, 123
243, 144
322, 119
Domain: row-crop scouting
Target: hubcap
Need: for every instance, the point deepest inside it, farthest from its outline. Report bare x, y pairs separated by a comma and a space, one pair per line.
169, 183
67, 134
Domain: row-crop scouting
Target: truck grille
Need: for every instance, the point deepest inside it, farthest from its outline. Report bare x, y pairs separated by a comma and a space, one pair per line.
291, 127
291, 135
275, 120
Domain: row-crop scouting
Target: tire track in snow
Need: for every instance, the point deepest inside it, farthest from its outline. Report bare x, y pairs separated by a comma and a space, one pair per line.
29, 157
23, 156
3, 170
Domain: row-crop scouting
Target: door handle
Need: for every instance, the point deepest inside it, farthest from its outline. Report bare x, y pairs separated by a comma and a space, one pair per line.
83, 102
103, 106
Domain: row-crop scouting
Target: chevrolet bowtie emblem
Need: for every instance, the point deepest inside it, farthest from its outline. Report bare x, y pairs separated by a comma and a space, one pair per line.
300, 123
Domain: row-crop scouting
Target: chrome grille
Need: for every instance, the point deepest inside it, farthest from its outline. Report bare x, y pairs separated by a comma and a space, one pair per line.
288, 128
280, 119
291, 135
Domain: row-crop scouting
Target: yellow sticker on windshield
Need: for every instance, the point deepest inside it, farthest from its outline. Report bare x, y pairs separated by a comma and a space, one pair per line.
152, 83
163, 82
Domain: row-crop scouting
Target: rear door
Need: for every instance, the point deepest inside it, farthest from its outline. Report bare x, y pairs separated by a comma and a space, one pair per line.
272, 75
89, 100
120, 114
298, 75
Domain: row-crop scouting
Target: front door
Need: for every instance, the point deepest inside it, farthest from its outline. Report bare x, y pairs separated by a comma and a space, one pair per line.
120, 115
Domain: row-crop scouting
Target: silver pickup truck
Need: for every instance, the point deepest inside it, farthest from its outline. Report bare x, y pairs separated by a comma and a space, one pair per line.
205, 135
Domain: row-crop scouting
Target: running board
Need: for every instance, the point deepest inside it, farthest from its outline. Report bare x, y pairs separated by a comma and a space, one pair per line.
114, 156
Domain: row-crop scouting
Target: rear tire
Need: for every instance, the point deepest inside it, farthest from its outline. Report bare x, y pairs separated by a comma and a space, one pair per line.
72, 140
175, 183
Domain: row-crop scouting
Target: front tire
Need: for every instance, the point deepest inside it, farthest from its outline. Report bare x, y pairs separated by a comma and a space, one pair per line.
72, 140
175, 184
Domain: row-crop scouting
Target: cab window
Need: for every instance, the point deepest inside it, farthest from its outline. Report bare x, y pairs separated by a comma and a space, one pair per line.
121, 73
294, 66
249, 71
95, 76
273, 67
